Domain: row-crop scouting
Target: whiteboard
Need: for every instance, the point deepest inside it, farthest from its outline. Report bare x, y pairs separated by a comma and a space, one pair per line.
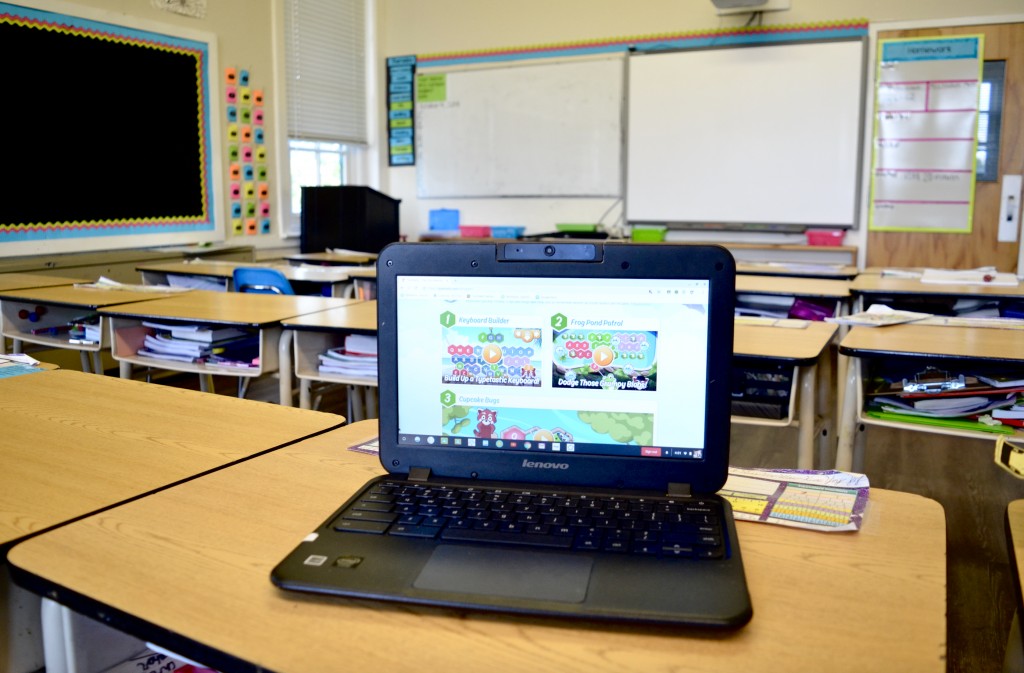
756, 136
552, 129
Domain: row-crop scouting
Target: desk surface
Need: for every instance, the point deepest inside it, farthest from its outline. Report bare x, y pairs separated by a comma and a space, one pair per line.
878, 284
797, 269
88, 297
800, 287
868, 601
239, 308
75, 443
339, 258
225, 269
934, 340
20, 281
797, 345
357, 316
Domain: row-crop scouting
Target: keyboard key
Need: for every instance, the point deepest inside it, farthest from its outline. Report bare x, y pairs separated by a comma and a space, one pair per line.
413, 531
475, 535
355, 526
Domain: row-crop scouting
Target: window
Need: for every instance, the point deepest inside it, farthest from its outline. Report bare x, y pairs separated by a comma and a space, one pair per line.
325, 60
990, 117
315, 163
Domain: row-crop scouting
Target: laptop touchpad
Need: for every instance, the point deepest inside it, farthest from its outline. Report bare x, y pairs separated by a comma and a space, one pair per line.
511, 573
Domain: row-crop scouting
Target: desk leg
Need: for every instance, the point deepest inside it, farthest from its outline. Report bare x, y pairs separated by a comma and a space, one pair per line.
20, 627
848, 415
355, 404
124, 369
305, 394
84, 357
206, 383
805, 441
285, 368
371, 402
16, 346
97, 362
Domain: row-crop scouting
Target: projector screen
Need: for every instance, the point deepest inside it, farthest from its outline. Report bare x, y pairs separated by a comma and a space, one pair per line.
756, 137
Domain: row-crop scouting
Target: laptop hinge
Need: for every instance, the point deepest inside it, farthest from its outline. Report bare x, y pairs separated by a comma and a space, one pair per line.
679, 490
419, 474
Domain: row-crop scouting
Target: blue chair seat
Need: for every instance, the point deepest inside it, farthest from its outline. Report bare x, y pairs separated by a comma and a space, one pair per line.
261, 280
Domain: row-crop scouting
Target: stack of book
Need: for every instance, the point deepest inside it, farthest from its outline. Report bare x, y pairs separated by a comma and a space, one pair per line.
939, 398
357, 358
222, 346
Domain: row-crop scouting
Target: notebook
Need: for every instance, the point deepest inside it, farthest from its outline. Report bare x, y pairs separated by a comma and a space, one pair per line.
554, 421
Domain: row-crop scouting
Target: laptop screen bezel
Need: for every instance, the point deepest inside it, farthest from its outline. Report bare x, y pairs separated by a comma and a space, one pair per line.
595, 260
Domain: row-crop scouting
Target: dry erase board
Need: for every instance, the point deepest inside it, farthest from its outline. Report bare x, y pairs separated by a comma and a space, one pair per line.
552, 129
755, 136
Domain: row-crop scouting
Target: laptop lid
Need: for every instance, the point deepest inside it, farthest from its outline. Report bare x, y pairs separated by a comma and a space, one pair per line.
559, 363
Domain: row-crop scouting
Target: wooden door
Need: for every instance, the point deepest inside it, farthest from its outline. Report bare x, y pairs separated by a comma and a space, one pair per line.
1003, 42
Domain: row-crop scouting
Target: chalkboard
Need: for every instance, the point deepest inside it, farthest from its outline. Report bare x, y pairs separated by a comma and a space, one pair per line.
754, 136
551, 129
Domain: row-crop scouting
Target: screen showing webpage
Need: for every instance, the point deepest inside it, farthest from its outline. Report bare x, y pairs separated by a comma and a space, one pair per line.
573, 365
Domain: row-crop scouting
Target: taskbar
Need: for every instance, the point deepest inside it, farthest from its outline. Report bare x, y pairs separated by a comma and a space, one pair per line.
447, 441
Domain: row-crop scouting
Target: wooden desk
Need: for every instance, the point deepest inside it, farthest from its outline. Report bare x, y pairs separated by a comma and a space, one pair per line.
329, 281
802, 349
74, 444
836, 292
63, 303
262, 312
798, 270
328, 258
868, 601
869, 286
313, 334
22, 280
925, 343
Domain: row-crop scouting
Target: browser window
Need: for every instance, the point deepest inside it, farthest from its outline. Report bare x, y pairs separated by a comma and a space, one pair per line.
554, 365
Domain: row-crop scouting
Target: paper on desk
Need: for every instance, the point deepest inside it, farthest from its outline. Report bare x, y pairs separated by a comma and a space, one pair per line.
105, 283
986, 275
879, 315
827, 500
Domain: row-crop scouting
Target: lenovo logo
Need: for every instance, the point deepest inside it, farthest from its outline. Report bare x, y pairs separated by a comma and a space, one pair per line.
534, 464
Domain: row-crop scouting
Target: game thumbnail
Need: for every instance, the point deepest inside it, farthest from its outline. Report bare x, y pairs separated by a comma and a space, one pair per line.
605, 359
491, 356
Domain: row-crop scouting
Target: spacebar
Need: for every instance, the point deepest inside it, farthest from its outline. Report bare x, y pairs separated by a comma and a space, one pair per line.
473, 535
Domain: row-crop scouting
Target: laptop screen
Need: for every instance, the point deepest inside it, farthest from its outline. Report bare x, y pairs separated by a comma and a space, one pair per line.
598, 366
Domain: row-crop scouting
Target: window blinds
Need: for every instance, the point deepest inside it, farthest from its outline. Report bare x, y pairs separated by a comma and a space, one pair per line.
325, 45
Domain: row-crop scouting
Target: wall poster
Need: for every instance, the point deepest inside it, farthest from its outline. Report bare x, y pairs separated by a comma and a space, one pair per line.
925, 134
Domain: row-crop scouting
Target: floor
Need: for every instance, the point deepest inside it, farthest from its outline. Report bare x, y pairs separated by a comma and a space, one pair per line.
958, 473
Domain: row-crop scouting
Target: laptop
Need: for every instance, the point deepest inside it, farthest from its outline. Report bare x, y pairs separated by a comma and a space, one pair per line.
554, 421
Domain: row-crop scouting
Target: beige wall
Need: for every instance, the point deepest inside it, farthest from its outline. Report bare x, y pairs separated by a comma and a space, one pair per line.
419, 27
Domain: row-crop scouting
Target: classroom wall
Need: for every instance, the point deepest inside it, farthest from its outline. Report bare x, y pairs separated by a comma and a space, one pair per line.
416, 27
245, 38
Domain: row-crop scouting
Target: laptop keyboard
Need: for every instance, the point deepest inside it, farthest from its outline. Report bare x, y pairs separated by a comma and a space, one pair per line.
652, 526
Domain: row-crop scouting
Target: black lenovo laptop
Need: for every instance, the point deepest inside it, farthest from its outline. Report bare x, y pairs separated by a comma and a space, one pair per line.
554, 419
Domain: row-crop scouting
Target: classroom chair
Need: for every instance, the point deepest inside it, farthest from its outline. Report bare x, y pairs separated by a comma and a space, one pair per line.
261, 280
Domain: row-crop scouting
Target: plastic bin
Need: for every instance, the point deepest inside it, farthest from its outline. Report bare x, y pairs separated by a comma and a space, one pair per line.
444, 219
474, 231
643, 234
507, 232
825, 237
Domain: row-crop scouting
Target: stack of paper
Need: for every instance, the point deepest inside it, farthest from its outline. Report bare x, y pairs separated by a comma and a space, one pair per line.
219, 345
358, 358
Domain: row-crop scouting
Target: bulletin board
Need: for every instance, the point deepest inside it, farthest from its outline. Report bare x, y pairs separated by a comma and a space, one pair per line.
759, 136
112, 142
537, 129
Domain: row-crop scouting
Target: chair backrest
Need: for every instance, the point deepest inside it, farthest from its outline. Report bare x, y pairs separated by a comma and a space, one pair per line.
261, 280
